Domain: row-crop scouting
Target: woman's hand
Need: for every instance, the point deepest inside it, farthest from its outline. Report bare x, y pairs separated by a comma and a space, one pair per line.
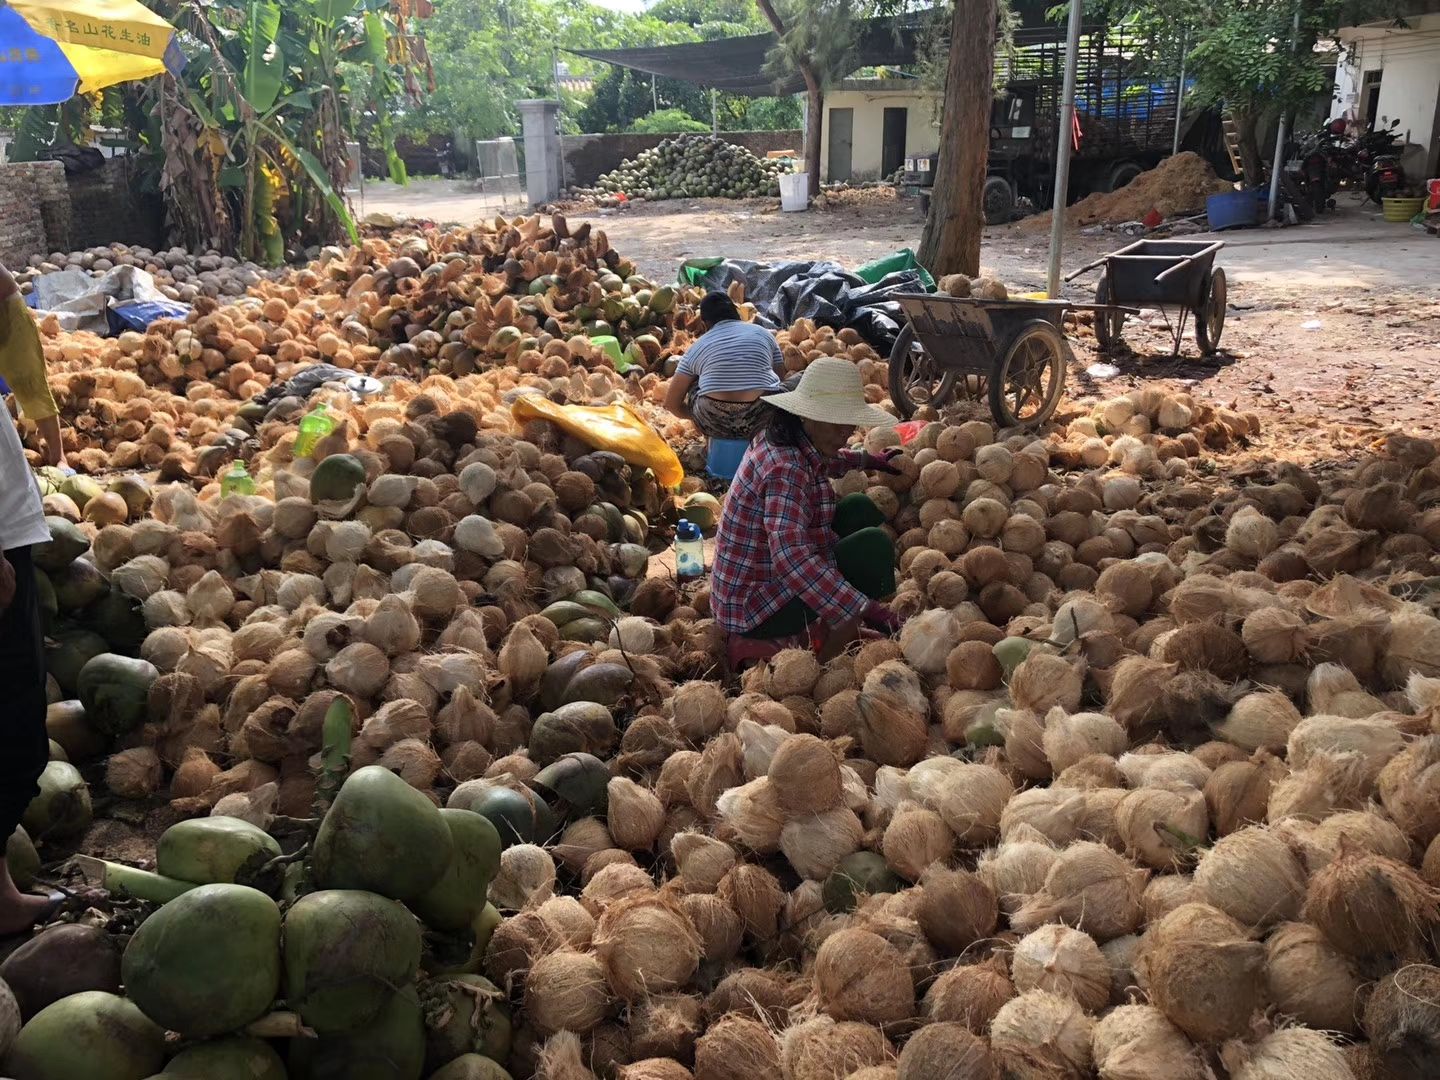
881, 462
53, 450
677, 396
883, 617
7, 583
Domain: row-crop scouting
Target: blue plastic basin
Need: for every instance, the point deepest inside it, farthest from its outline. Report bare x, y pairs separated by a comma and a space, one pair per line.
722, 458
1232, 210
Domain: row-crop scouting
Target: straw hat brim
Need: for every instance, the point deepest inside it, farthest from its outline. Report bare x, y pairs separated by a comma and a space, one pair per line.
830, 407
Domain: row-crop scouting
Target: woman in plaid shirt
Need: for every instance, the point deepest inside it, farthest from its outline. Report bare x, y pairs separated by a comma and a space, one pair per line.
790, 561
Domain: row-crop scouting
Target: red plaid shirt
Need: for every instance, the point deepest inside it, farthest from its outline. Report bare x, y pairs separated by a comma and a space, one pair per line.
777, 539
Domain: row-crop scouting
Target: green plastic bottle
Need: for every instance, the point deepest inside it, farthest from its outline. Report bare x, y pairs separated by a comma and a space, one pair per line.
237, 481
315, 425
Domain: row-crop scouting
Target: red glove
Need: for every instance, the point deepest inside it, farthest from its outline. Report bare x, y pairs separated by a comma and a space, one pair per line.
882, 617
881, 462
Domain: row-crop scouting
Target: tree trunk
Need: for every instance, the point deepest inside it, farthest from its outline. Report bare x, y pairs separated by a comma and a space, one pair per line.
951, 242
814, 95
1252, 159
814, 119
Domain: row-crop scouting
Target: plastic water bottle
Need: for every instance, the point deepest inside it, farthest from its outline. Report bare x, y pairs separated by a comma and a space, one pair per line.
317, 423
689, 550
237, 481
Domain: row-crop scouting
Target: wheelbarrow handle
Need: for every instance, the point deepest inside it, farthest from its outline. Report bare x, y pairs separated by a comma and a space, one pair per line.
1086, 268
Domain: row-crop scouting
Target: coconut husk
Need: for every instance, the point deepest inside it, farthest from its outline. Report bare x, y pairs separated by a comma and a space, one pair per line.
1409, 787
1161, 827
1044, 681
1289, 1052
860, 976
1310, 980
805, 775
698, 709
971, 801
1056, 813
1202, 970
815, 844
1137, 1042
916, 839
1132, 699
823, 1049
1017, 868
736, 1048
719, 926
565, 991
1062, 961
1091, 887
1402, 1021
1206, 645
1253, 876
1369, 905
1040, 1034
666, 1026
957, 909
969, 994
949, 1051
757, 898
1238, 792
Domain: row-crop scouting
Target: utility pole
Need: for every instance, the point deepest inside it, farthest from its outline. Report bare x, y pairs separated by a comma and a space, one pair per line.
1281, 132
1180, 91
1062, 153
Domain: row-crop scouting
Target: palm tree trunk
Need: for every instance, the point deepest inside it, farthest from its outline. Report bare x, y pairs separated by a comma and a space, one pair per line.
814, 96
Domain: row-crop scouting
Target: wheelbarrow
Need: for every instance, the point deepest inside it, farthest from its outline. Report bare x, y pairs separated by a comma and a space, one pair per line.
1161, 274
1012, 352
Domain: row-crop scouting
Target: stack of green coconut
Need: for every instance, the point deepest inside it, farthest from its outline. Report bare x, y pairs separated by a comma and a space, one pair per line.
693, 166
370, 971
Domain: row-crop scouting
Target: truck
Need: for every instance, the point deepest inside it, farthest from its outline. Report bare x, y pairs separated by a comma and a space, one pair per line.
1125, 122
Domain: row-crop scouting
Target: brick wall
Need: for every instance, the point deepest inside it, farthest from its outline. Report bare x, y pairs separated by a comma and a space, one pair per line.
42, 210
33, 201
107, 208
587, 157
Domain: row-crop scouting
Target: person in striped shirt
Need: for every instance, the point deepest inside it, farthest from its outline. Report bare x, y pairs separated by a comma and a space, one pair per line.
722, 378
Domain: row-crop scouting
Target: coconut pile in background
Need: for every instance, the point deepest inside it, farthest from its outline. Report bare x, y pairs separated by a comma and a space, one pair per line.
1142, 789
179, 274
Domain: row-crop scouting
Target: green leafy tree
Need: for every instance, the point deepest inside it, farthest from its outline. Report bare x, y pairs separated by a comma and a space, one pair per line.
666, 121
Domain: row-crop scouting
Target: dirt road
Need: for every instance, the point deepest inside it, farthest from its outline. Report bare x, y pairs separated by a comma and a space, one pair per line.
1337, 322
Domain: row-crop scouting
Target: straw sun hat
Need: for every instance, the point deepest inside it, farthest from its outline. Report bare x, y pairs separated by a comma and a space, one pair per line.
830, 392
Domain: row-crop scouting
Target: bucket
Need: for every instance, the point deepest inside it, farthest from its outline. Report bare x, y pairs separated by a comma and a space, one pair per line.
723, 456
794, 191
1232, 210
1402, 209
1433, 187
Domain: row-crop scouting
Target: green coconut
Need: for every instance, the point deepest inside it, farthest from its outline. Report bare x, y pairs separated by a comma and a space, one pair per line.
114, 690
471, 1067
337, 485
577, 784
68, 651
345, 952
61, 960
62, 809
78, 585
49, 605
511, 812
119, 620
453, 902
135, 492
862, 873
484, 927
702, 510
464, 1014
66, 544
214, 850
208, 962
382, 835
65, 724
89, 1036
80, 489
391, 1047
21, 858
226, 1059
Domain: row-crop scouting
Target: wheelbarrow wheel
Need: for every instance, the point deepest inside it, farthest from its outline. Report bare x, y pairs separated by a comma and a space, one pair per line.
1030, 376
915, 377
1210, 319
1108, 324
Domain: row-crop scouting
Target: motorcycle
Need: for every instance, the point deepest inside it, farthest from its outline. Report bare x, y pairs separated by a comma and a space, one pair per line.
1378, 152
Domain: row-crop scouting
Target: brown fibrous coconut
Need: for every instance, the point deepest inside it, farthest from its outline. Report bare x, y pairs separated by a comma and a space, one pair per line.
135, 773
566, 991
666, 1026
1016, 869
970, 994
946, 1051
1253, 876
1137, 1042
736, 1048
1161, 826
1203, 971
718, 925
805, 775
824, 1049
860, 976
1062, 961
1310, 980
957, 909
1368, 905
1238, 792
756, 897
1041, 1035
1090, 887
916, 839
1402, 1022
1287, 1054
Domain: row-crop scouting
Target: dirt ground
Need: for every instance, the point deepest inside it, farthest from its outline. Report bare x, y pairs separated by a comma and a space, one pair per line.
1336, 322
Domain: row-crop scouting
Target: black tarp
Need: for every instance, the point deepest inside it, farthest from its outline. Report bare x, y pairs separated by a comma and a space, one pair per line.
824, 292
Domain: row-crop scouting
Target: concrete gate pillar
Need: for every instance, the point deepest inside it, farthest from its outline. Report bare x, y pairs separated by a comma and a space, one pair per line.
544, 164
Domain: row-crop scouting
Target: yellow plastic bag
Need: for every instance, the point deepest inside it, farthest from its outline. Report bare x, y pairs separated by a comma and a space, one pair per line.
607, 427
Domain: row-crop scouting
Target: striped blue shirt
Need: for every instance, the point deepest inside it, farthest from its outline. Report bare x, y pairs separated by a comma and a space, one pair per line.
732, 355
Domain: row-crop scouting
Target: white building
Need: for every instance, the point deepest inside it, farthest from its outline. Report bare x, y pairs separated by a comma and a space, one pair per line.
1389, 70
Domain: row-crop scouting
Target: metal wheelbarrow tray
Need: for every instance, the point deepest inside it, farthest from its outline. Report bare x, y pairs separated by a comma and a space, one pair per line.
1011, 351
1161, 274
